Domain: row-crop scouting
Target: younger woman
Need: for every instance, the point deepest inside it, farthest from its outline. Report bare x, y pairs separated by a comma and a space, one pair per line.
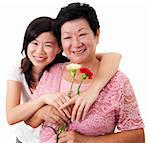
41, 52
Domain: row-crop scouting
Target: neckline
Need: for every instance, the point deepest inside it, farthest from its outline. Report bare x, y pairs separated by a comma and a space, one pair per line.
75, 84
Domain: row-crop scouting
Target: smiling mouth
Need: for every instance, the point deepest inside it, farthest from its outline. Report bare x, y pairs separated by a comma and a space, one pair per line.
39, 59
79, 51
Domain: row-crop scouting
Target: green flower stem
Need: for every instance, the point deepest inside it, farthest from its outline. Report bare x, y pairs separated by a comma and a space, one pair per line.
78, 90
60, 130
84, 76
70, 91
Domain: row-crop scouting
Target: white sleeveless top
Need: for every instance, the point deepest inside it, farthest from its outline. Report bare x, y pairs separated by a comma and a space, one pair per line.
24, 133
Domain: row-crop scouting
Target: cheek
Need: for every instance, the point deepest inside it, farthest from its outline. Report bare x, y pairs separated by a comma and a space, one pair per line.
91, 43
30, 49
65, 47
29, 53
66, 44
52, 53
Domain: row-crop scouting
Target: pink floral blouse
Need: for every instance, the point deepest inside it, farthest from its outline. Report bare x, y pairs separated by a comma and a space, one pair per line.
115, 107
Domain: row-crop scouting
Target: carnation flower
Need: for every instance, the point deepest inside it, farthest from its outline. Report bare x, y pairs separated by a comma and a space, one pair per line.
86, 73
73, 69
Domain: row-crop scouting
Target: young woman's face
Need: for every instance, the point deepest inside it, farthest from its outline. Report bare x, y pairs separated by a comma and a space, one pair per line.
78, 41
43, 50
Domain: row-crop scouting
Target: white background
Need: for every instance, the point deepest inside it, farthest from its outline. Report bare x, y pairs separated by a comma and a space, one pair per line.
125, 28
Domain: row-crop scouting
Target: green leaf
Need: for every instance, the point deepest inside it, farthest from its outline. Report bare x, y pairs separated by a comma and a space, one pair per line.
84, 76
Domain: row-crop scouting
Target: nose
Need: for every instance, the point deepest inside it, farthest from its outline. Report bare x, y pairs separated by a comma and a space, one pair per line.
40, 49
76, 43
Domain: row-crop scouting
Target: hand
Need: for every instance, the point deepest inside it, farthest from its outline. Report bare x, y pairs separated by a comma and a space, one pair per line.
57, 100
50, 114
71, 137
82, 104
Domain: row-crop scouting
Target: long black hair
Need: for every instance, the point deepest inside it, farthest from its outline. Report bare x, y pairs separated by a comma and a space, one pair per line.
34, 29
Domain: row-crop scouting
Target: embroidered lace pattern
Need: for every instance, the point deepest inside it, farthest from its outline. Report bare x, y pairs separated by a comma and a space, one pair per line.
115, 107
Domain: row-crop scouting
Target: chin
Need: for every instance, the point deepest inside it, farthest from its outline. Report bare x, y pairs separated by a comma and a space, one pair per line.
77, 61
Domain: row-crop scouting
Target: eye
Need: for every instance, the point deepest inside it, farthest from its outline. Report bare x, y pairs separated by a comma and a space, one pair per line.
48, 46
82, 34
34, 43
67, 37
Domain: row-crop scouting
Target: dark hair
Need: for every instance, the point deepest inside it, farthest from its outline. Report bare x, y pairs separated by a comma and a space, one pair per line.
34, 29
75, 11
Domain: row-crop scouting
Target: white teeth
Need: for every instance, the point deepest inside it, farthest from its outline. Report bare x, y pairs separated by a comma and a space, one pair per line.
79, 51
39, 58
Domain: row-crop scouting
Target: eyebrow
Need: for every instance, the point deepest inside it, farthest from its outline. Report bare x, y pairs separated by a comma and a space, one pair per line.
47, 42
77, 31
82, 29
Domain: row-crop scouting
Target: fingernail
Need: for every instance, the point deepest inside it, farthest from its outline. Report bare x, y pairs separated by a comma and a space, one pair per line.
77, 120
72, 120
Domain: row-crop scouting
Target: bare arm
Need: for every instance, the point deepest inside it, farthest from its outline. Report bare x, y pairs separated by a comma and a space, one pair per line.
15, 111
109, 63
132, 136
38, 117
47, 113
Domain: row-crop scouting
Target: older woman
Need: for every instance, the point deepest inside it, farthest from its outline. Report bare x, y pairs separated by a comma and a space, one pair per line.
77, 30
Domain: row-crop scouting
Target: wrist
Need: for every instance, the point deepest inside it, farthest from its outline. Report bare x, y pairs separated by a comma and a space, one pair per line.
40, 114
98, 85
43, 99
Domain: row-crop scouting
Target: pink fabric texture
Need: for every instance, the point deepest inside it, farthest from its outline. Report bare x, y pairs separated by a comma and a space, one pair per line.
115, 107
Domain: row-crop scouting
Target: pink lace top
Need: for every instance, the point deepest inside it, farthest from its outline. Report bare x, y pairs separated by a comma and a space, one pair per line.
115, 107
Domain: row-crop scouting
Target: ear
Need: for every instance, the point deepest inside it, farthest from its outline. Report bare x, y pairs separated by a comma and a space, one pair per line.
59, 50
97, 35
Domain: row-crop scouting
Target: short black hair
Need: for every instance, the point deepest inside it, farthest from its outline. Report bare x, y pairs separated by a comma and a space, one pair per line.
75, 11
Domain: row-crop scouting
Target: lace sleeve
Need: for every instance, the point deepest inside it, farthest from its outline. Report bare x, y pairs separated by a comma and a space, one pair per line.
128, 112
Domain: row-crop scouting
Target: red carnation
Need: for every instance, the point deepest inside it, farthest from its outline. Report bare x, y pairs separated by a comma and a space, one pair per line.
87, 72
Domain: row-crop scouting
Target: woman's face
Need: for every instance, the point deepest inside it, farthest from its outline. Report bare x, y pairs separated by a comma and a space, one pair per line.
43, 50
78, 41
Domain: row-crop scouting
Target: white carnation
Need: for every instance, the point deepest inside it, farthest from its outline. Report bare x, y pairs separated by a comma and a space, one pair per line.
73, 66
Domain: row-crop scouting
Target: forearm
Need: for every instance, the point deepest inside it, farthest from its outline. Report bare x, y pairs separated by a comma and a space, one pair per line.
133, 136
34, 121
109, 64
38, 117
24, 111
